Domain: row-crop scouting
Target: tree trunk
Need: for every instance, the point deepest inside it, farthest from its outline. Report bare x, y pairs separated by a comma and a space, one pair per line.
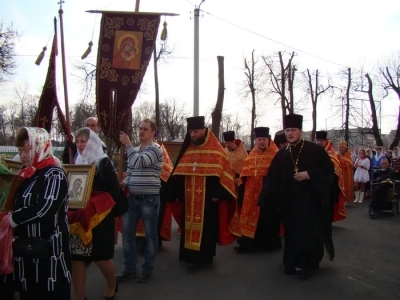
375, 128
291, 72
157, 87
347, 113
216, 115
313, 103
396, 139
283, 81
253, 117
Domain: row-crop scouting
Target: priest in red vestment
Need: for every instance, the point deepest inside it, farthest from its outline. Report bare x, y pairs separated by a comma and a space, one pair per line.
202, 185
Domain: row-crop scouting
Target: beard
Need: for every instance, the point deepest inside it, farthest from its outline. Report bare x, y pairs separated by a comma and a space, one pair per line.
199, 141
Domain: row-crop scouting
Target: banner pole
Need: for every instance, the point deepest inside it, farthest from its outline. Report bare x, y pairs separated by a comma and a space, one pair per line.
60, 12
121, 159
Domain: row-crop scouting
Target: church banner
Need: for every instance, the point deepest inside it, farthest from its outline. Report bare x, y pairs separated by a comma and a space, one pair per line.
125, 48
48, 99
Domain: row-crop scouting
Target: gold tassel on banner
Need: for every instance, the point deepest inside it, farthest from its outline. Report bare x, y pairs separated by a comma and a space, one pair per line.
164, 32
40, 57
88, 50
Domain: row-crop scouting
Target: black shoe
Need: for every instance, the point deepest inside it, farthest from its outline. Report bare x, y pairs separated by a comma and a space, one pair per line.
302, 274
144, 277
125, 276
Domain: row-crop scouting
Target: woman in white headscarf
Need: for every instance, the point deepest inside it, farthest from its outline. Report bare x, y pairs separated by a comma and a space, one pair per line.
41, 248
101, 249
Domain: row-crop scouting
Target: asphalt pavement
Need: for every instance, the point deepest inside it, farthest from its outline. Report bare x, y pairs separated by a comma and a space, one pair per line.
366, 266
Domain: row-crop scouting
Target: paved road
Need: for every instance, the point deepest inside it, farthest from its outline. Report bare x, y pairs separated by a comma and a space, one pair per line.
367, 266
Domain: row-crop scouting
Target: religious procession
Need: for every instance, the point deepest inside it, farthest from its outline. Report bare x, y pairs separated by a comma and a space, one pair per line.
205, 217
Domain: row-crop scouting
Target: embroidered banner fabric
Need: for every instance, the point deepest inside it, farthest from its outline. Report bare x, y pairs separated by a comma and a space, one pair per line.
125, 48
48, 99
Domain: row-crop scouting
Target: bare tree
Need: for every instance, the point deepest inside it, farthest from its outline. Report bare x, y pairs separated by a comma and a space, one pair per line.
162, 55
172, 119
3, 125
391, 75
282, 79
347, 105
27, 105
86, 74
369, 92
8, 36
315, 89
253, 78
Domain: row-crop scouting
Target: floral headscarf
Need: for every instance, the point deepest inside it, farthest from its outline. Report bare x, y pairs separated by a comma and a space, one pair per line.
93, 152
41, 151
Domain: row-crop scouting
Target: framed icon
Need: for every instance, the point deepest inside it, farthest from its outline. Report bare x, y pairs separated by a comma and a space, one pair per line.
80, 182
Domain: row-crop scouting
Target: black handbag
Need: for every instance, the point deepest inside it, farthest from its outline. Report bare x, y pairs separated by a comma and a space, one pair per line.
31, 248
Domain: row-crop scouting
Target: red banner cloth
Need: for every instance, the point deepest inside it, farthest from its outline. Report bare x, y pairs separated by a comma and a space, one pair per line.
125, 48
82, 221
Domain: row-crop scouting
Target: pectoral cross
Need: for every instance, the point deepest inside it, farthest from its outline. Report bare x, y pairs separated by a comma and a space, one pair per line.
194, 166
296, 170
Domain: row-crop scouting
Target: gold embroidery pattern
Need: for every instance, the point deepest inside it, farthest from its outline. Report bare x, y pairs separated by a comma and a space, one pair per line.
130, 21
194, 211
148, 27
106, 47
136, 77
44, 120
104, 115
111, 25
125, 80
148, 50
106, 71
51, 83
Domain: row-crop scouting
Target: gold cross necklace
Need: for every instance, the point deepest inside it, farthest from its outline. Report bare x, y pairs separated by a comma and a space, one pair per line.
296, 169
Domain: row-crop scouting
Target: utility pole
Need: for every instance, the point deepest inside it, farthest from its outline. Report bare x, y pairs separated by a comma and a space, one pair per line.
196, 61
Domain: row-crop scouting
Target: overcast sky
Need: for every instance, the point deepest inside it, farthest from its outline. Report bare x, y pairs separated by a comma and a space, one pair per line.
329, 37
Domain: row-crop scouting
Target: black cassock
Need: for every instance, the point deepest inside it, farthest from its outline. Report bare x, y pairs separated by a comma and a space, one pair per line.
305, 206
210, 223
266, 236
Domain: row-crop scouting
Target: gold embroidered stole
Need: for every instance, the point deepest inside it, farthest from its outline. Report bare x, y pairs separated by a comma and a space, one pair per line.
237, 157
198, 162
255, 168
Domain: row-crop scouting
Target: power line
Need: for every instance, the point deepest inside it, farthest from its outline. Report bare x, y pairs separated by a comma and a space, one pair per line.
273, 40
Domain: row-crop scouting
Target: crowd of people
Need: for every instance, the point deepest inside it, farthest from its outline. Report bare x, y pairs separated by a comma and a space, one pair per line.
284, 187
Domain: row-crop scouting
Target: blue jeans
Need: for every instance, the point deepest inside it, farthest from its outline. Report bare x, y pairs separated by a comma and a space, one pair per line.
147, 208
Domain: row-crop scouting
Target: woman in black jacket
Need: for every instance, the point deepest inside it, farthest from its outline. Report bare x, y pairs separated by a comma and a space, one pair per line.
41, 246
101, 249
